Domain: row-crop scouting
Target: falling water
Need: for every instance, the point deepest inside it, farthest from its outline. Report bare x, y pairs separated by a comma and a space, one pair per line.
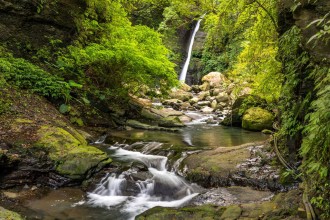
160, 188
183, 73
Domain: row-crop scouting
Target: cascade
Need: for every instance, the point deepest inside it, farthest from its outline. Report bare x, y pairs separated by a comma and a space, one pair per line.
160, 188
184, 70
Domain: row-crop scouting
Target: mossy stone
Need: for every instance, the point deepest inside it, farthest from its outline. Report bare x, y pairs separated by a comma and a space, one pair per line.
9, 215
70, 152
257, 119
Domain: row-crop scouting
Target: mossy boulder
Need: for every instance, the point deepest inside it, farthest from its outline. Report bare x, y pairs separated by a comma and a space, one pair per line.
171, 121
257, 119
69, 151
9, 215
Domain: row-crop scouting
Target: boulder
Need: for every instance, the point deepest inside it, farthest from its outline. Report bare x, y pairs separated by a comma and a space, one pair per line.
205, 86
180, 94
203, 95
165, 112
222, 97
239, 107
257, 119
215, 79
214, 104
207, 110
204, 103
172, 121
185, 87
69, 151
193, 100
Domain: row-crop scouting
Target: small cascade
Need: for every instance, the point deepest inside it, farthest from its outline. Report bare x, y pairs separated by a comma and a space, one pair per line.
184, 70
159, 188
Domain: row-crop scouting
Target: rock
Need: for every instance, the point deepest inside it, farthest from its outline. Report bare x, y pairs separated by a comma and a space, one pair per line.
216, 91
185, 87
147, 114
69, 151
257, 119
204, 87
203, 95
266, 131
282, 206
165, 112
239, 107
193, 100
214, 104
172, 121
9, 215
140, 125
180, 94
185, 106
215, 79
207, 110
222, 97
185, 119
195, 88
204, 103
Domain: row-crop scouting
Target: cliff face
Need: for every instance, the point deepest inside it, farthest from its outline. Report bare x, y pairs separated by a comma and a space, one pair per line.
29, 25
302, 16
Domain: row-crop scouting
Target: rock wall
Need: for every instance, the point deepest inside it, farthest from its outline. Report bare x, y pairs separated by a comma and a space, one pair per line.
30, 25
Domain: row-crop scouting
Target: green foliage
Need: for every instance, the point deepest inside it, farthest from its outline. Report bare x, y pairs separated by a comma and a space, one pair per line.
122, 58
316, 142
25, 75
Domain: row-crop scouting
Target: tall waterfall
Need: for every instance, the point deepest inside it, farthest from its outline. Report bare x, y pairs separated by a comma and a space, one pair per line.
184, 70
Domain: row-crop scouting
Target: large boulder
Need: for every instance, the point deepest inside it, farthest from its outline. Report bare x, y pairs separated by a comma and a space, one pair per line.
172, 121
70, 153
257, 119
240, 105
180, 94
215, 79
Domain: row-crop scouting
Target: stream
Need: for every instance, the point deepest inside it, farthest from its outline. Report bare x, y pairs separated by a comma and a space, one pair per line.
149, 177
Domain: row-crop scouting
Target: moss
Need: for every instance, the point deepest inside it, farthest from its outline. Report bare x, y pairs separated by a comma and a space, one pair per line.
70, 152
23, 121
9, 215
257, 119
206, 212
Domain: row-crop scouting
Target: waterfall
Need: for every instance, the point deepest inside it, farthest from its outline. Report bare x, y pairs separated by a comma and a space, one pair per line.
159, 188
184, 70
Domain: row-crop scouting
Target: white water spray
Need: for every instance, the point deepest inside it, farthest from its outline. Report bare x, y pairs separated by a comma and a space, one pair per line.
161, 188
183, 73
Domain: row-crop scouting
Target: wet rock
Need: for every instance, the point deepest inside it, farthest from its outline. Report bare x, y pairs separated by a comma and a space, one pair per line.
257, 119
140, 125
282, 206
222, 97
207, 110
70, 152
193, 100
204, 103
172, 121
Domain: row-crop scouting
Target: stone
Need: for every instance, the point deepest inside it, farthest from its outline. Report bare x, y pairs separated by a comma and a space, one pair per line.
185, 87
195, 88
216, 91
165, 112
180, 94
214, 104
205, 86
172, 121
203, 95
69, 151
257, 119
193, 100
215, 79
222, 97
207, 110
203, 103
9, 215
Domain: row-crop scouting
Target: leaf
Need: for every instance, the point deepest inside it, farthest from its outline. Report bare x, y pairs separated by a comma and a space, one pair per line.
86, 101
64, 108
74, 84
